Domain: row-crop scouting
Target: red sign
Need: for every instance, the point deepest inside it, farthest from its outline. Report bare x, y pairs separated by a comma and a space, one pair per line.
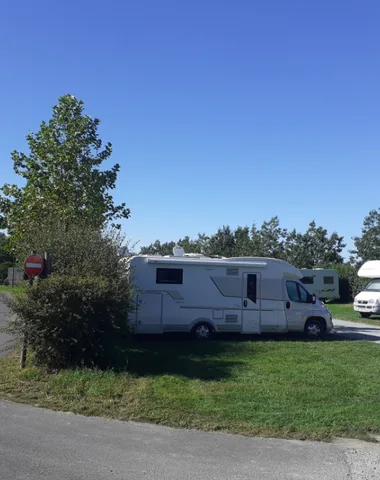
33, 265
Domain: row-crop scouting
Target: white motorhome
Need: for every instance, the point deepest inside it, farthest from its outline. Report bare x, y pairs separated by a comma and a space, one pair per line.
204, 295
323, 282
367, 302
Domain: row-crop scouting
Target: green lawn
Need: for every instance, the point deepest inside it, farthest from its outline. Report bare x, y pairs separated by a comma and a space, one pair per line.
7, 288
285, 387
345, 311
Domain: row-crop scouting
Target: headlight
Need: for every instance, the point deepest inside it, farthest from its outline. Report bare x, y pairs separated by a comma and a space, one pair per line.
371, 301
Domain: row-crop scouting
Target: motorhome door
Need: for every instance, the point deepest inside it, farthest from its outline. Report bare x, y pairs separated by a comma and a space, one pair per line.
251, 303
149, 313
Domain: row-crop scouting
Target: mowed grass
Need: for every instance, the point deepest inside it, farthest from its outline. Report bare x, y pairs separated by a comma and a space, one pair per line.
8, 288
345, 311
280, 388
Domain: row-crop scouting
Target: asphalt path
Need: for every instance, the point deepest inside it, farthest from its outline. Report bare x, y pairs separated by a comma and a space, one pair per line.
38, 444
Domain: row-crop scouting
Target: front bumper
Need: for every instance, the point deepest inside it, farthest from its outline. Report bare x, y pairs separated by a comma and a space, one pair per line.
329, 326
367, 308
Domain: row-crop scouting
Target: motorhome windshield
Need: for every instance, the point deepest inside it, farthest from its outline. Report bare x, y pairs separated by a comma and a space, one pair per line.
373, 286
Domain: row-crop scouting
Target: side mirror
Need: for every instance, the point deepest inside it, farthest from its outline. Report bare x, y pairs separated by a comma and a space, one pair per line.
313, 299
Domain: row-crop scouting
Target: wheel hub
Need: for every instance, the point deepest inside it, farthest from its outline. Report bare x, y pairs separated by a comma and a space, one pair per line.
203, 331
314, 330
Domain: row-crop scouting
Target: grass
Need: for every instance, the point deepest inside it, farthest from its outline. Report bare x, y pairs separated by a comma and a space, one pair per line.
288, 388
7, 288
345, 311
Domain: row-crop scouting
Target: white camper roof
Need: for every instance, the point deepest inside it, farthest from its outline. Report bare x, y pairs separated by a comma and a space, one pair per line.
257, 262
370, 269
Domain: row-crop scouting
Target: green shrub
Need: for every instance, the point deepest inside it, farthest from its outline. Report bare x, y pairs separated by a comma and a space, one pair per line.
74, 321
349, 282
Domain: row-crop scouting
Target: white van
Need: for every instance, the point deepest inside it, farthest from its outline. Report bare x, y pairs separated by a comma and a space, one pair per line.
367, 302
204, 295
324, 282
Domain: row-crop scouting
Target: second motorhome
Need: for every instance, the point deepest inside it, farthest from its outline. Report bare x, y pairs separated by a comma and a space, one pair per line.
324, 282
203, 295
367, 302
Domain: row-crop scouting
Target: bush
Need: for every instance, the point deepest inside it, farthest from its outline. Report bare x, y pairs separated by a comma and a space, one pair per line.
74, 321
78, 315
349, 282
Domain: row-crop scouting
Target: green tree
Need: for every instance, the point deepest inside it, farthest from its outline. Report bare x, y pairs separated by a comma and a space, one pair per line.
271, 238
223, 242
199, 245
62, 175
367, 246
243, 244
158, 248
314, 248
6, 260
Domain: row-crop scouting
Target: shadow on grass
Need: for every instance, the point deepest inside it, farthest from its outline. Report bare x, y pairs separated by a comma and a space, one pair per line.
177, 355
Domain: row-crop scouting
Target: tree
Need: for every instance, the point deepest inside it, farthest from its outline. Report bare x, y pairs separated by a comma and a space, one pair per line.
367, 246
158, 248
198, 245
6, 259
314, 248
62, 175
243, 244
270, 239
223, 243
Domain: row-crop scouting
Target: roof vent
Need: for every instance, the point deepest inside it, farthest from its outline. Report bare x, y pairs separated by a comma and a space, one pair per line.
178, 251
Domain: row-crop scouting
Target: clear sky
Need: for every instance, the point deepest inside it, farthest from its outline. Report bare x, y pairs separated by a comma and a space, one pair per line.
219, 111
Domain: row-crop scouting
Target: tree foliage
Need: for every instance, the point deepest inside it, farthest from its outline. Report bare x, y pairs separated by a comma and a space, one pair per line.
314, 248
62, 175
6, 259
367, 246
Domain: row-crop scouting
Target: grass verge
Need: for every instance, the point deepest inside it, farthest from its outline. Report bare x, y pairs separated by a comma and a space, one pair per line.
7, 288
345, 311
287, 389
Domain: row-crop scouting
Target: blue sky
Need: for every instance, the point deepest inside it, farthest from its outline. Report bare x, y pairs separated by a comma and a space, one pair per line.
220, 112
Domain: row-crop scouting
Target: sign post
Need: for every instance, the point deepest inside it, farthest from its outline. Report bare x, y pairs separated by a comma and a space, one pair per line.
33, 266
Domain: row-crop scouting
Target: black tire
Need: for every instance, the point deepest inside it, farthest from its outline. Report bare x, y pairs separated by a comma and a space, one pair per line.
203, 331
365, 314
314, 329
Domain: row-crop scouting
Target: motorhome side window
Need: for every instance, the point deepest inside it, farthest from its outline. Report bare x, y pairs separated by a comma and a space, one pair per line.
252, 287
307, 280
297, 293
328, 280
169, 276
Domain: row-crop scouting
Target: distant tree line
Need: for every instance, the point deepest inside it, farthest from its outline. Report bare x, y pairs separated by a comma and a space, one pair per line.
314, 248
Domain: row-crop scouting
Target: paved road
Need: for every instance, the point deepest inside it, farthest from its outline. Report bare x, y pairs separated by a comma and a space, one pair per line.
38, 444
5, 340
357, 331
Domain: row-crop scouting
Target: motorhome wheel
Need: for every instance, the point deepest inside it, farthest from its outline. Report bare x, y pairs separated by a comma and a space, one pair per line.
314, 328
202, 331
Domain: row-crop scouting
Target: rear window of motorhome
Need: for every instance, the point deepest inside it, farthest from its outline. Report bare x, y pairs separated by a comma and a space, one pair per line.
328, 280
169, 275
307, 280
